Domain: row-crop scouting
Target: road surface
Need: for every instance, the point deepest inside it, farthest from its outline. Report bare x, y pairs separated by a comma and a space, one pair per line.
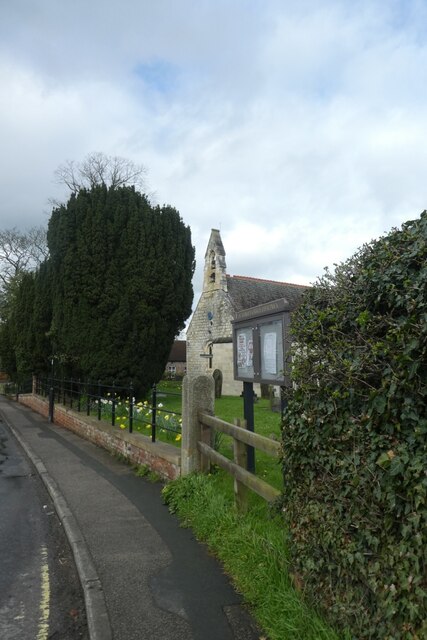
40, 593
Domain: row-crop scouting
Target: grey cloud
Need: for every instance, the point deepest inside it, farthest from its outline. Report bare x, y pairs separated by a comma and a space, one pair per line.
307, 119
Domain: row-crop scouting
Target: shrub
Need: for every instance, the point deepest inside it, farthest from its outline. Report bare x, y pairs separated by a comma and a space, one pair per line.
355, 440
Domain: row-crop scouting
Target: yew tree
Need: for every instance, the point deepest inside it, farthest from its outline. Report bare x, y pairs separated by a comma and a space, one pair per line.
121, 281
110, 298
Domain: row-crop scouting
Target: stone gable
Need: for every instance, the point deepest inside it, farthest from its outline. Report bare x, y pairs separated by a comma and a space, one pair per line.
209, 335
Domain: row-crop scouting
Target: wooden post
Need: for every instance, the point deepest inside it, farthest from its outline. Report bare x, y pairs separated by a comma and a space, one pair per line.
241, 458
248, 412
197, 395
206, 437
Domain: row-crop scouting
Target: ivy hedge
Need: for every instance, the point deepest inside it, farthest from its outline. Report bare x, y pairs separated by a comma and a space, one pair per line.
355, 440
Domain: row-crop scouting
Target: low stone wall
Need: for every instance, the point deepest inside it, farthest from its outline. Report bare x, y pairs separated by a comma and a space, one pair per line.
160, 457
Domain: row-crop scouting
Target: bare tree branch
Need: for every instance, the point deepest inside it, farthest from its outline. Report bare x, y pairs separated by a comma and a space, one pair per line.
21, 251
98, 168
67, 174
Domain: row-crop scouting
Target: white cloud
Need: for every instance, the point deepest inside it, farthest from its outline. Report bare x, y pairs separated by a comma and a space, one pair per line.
298, 128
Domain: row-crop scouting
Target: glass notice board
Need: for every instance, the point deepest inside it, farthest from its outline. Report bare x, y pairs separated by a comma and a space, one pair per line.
245, 352
260, 346
272, 364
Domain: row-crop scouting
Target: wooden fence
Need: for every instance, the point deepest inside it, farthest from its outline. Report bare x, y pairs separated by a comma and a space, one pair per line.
242, 438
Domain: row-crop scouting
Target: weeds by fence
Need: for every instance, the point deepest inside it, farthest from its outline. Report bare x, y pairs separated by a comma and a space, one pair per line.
115, 404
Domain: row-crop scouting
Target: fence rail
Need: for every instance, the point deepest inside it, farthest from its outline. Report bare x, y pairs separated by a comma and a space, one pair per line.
242, 438
268, 446
112, 403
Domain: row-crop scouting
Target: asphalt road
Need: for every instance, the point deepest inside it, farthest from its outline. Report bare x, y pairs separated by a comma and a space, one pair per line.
40, 593
144, 576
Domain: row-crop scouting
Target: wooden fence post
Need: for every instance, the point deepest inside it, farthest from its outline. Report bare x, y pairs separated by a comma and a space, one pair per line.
198, 394
206, 436
241, 458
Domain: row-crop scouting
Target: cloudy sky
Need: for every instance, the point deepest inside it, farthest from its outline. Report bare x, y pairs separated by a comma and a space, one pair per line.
298, 128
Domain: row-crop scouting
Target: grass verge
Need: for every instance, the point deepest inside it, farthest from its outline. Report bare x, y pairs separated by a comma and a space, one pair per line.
252, 549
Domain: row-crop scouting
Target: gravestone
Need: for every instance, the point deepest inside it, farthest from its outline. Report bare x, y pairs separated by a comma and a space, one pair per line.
217, 376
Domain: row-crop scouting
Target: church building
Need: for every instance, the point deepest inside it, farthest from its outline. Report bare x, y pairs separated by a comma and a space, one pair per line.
209, 334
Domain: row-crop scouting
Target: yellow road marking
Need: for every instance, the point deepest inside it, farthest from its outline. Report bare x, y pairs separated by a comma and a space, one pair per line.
43, 631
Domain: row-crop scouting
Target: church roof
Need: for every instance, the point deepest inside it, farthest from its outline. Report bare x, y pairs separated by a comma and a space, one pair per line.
246, 292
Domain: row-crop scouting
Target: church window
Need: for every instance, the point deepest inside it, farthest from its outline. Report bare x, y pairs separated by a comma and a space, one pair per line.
212, 266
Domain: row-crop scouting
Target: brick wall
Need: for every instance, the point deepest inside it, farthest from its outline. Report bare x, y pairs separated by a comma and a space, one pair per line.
160, 457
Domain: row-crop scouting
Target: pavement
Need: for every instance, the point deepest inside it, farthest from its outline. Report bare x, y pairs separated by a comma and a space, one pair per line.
143, 576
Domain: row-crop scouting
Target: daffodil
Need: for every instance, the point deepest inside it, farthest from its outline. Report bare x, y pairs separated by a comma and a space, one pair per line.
178, 437
122, 426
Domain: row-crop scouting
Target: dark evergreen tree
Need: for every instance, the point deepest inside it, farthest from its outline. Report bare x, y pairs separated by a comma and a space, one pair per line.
21, 252
42, 347
22, 322
16, 329
121, 274
7, 348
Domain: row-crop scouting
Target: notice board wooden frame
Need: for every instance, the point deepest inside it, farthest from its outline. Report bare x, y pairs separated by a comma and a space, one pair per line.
261, 344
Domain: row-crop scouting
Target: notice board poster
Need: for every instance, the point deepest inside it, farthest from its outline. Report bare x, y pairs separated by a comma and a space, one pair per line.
270, 352
245, 352
272, 357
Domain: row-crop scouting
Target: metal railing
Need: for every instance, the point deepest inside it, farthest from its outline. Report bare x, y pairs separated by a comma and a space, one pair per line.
115, 404
13, 389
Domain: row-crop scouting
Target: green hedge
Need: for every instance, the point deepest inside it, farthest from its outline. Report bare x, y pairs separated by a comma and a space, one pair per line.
355, 440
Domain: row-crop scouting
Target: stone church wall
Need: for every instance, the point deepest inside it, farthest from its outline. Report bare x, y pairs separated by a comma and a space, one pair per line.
223, 360
209, 333
211, 320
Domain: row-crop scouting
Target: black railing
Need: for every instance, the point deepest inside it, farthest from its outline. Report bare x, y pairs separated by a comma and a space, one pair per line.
13, 389
115, 404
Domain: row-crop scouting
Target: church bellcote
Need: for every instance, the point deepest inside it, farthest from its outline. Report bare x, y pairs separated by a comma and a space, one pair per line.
215, 267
